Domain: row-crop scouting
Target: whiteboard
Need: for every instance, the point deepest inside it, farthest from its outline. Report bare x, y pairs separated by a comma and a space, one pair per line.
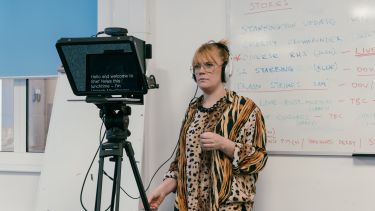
310, 67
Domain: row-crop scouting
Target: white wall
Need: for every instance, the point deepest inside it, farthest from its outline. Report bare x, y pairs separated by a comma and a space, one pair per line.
289, 183
18, 190
323, 183
19, 178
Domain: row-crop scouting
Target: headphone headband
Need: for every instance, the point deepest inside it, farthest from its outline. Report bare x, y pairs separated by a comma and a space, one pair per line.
220, 45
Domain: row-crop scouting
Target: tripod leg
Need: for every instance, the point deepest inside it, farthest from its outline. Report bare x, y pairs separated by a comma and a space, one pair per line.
119, 160
100, 181
142, 193
115, 201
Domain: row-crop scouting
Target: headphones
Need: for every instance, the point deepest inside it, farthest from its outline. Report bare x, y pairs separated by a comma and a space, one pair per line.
226, 67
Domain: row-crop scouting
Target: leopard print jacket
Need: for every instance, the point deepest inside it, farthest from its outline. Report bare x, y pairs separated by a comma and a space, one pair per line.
229, 183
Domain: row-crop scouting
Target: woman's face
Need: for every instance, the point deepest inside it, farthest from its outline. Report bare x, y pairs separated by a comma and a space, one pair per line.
208, 73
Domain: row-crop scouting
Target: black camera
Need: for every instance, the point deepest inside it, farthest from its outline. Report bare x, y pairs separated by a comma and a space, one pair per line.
111, 68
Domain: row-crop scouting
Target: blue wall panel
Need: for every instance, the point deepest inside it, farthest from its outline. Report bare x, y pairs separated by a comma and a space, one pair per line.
30, 29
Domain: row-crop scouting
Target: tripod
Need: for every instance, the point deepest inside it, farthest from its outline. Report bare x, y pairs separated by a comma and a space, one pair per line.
117, 133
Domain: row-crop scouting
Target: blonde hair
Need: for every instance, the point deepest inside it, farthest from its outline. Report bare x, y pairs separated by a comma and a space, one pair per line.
208, 50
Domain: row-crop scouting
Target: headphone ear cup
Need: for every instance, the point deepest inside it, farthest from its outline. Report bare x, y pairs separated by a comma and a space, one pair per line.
228, 71
223, 73
194, 78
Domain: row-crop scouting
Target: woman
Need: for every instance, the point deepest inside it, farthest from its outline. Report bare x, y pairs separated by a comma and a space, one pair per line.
221, 144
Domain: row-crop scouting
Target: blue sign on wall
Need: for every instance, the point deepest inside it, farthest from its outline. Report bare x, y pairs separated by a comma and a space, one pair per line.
30, 29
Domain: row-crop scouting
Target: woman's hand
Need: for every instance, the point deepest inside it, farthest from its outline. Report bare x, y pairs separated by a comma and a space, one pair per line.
158, 195
213, 141
155, 199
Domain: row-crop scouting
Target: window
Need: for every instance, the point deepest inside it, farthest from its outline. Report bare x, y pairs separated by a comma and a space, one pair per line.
25, 111
7, 115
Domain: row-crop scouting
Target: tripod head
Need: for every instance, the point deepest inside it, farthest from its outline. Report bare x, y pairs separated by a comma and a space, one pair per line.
116, 120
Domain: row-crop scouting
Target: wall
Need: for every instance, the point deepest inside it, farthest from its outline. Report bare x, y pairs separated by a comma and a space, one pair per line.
19, 178
31, 29
18, 190
292, 183
316, 183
